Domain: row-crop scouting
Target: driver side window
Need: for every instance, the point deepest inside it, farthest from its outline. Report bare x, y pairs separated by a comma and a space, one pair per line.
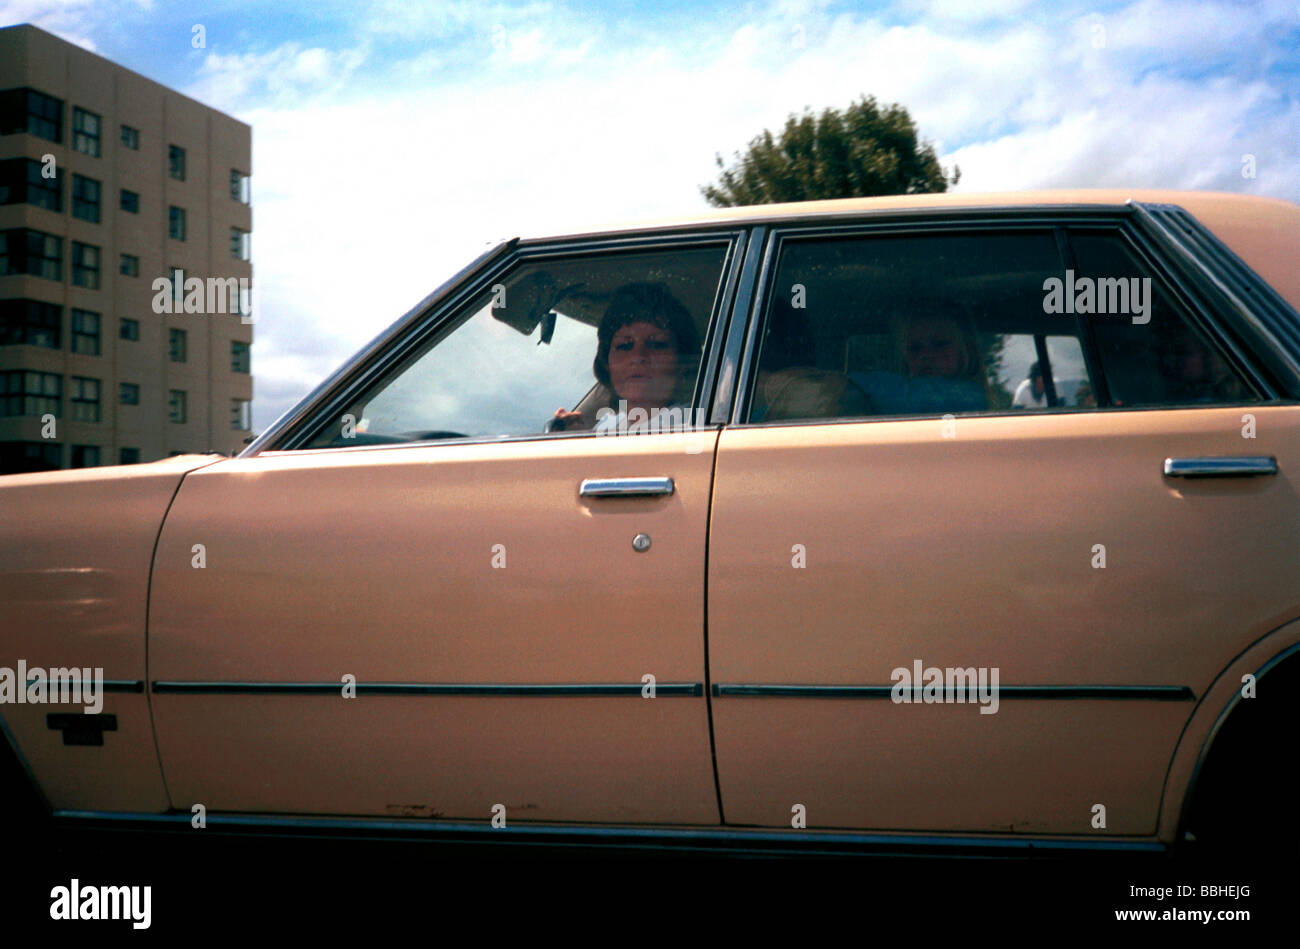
528, 347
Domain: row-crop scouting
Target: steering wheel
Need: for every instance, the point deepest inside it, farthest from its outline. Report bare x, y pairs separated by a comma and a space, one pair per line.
430, 436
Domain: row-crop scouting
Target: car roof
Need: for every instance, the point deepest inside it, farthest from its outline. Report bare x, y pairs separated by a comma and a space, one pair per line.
1264, 232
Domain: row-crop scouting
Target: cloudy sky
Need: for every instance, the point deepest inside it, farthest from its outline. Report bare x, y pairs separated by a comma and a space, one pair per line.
393, 140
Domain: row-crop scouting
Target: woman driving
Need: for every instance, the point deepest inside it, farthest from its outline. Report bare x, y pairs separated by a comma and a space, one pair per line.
647, 353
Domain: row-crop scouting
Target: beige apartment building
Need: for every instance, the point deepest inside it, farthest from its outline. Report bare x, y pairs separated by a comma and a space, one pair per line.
108, 182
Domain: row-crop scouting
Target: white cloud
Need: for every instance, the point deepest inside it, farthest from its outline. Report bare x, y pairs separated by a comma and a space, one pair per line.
370, 191
66, 19
284, 76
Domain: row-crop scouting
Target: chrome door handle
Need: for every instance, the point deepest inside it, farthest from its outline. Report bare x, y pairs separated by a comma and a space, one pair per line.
1220, 467
625, 487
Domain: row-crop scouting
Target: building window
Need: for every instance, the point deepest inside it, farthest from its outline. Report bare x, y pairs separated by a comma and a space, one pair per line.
85, 199
176, 162
239, 356
129, 201
128, 456
176, 223
83, 399
128, 393
22, 181
85, 265
23, 392
30, 323
24, 251
177, 277
176, 345
85, 332
129, 330
84, 456
18, 457
176, 406
130, 266
240, 244
241, 415
85, 132
239, 187
130, 138
26, 110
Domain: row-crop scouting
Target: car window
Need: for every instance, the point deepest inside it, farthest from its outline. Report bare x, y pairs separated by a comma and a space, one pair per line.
531, 345
970, 322
914, 324
1156, 357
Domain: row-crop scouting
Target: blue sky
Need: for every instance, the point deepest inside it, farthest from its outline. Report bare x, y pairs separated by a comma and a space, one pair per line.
393, 140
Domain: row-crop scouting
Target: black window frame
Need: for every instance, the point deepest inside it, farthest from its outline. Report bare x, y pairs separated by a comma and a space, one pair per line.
22, 182
128, 201
241, 357
80, 270
48, 267
80, 136
129, 137
77, 333
87, 198
176, 335
128, 329
77, 397
84, 456
38, 110
392, 347
176, 162
176, 224
24, 322
128, 265
35, 399
173, 402
128, 393
734, 407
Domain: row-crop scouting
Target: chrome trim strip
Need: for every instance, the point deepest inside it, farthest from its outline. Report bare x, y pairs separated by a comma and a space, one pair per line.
623, 835
1220, 467
116, 685
625, 487
1160, 693
426, 688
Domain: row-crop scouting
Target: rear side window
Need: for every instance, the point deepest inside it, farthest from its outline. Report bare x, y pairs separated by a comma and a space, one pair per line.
1156, 357
973, 322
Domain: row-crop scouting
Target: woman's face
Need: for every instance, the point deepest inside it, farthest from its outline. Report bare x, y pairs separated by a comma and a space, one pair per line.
643, 364
933, 348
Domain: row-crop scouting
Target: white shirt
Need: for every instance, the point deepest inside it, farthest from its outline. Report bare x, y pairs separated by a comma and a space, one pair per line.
1025, 399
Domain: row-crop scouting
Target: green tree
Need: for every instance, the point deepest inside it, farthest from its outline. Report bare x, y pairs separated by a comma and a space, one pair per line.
864, 150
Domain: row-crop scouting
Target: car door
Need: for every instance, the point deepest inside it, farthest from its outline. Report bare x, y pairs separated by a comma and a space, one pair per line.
931, 611
418, 603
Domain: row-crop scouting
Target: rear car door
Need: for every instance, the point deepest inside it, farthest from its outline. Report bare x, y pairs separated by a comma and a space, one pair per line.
940, 600
419, 537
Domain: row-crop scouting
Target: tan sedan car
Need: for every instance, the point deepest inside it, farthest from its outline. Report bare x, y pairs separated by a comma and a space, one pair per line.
923, 521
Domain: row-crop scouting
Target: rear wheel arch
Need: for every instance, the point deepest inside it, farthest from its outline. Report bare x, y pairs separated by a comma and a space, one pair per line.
1228, 794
